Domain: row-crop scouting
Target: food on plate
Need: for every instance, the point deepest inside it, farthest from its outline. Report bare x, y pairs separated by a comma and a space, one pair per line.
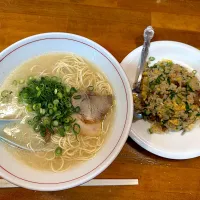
66, 106
170, 97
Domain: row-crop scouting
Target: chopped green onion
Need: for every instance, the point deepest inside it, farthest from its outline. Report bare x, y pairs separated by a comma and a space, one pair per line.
42, 130
61, 131
14, 82
198, 114
146, 112
30, 78
68, 104
55, 109
39, 93
77, 109
51, 111
73, 120
150, 131
164, 121
68, 99
5, 93
29, 108
152, 85
36, 119
155, 66
73, 91
36, 128
51, 102
67, 128
55, 123
67, 89
187, 107
189, 88
55, 91
67, 120
157, 81
58, 113
56, 102
50, 105
42, 86
183, 132
77, 97
194, 72
30, 122
58, 151
37, 106
25, 97
90, 88
21, 81
151, 58
59, 95
76, 128
169, 63
55, 78
172, 94
162, 78
168, 80
42, 133
46, 121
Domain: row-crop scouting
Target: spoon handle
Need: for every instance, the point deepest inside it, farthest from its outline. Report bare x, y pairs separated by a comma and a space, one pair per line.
148, 35
3, 123
13, 144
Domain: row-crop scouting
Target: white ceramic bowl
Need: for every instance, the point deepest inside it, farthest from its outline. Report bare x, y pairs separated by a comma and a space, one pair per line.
25, 176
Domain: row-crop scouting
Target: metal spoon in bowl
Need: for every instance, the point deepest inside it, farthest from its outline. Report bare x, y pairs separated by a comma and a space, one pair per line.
3, 138
148, 35
9, 134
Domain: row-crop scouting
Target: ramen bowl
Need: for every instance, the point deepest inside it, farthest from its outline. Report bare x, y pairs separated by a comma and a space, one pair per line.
25, 176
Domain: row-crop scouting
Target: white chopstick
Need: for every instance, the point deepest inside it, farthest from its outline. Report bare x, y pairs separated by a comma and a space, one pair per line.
94, 182
111, 182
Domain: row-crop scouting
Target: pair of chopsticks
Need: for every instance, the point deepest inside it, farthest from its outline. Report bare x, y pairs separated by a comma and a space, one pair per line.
94, 182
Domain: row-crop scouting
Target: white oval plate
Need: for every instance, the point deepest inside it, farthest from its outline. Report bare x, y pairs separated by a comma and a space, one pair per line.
172, 145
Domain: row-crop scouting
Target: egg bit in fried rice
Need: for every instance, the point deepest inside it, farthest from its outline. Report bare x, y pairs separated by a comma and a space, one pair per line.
170, 97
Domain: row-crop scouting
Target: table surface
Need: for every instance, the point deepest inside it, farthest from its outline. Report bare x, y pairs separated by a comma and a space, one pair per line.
118, 26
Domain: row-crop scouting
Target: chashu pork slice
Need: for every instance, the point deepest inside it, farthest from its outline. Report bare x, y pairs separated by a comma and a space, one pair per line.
93, 107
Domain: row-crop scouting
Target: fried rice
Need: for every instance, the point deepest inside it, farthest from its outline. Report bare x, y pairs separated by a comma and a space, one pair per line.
170, 97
